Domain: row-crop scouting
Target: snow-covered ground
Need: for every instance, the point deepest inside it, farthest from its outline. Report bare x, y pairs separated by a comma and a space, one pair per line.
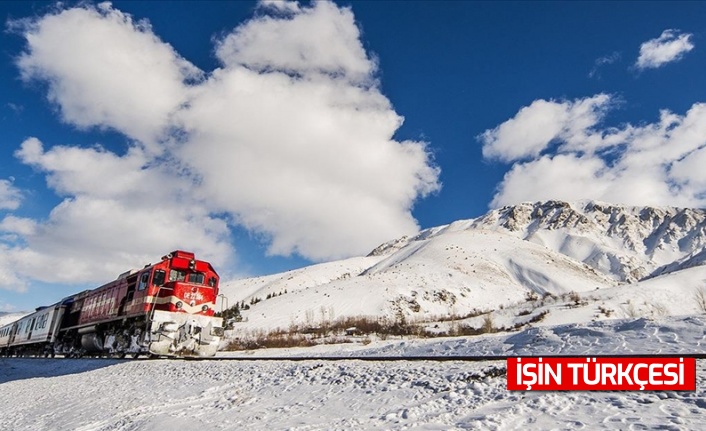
87, 395
641, 336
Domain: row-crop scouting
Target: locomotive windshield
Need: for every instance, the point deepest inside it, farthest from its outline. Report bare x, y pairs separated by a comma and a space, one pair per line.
196, 278
181, 275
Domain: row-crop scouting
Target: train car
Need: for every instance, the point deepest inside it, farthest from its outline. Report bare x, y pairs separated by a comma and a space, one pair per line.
33, 334
164, 309
5, 338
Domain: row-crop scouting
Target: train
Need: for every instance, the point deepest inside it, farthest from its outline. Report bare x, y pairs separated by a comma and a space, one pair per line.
166, 309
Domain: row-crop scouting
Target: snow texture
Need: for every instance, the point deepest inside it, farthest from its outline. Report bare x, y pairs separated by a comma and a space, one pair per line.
110, 395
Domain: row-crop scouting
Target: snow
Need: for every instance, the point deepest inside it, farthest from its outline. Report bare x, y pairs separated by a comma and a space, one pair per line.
111, 395
667, 335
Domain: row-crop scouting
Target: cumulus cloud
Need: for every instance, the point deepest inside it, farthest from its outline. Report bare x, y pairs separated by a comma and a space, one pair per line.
117, 210
649, 164
281, 5
306, 136
10, 196
321, 39
290, 138
103, 69
544, 121
670, 46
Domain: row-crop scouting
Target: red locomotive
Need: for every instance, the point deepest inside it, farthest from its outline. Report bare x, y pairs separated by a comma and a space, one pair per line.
165, 309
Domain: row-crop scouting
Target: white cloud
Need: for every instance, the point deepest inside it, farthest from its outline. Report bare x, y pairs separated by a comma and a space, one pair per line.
603, 61
670, 46
304, 138
9, 277
18, 225
6, 308
281, 5
117, 211
560, 177
650, 164
536, 126
103, 69
291, 138
73, 171
321, 39
10, 196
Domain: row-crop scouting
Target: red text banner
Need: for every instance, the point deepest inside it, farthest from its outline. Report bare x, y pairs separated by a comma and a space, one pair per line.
601, 374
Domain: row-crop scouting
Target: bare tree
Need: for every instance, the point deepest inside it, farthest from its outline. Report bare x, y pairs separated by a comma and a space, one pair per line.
700, 297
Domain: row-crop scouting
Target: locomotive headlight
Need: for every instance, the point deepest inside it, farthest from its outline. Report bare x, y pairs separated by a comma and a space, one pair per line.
178, 305
170, 327
204, 308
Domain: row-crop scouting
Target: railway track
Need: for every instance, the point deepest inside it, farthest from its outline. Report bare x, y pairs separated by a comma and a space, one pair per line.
488, 358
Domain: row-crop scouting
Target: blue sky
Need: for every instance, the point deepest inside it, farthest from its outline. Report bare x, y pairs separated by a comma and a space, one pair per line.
265, 136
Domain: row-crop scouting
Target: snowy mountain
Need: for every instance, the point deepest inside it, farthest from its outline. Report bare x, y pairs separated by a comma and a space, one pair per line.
628, 243
501, 259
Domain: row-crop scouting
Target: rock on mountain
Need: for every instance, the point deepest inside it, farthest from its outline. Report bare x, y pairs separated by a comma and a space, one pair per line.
627, 243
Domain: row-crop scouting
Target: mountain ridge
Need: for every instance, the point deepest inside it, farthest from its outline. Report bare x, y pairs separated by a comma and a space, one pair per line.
487, 263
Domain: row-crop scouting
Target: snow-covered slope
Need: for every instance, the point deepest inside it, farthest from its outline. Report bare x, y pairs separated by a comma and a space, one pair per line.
459, 272
499, 260
298, 279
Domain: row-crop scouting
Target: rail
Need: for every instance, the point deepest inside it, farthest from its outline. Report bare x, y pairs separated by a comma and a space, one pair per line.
459, 358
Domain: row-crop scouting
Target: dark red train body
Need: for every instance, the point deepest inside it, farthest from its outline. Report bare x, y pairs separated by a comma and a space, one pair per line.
165, 308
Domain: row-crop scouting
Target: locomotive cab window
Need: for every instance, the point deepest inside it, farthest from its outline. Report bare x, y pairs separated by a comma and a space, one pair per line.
159, 277
196, 277
144, 280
